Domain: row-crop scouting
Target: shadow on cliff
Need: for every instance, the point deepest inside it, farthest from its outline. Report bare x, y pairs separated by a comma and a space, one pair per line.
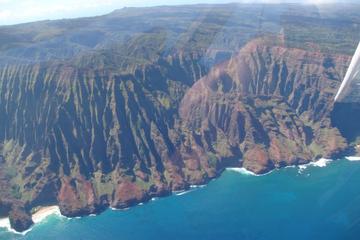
346, 117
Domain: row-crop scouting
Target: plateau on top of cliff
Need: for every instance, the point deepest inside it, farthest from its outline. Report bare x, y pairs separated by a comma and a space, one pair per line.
349, 90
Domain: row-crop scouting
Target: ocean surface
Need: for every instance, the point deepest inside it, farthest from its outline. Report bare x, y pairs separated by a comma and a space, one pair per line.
318, 201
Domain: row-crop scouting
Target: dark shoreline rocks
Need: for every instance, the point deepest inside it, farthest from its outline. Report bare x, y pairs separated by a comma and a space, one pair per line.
20, 219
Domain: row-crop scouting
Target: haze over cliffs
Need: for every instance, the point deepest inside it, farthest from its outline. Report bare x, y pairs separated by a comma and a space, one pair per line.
117, 109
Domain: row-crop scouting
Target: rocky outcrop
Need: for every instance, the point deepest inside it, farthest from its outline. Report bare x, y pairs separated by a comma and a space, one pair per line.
20, 220
19, 216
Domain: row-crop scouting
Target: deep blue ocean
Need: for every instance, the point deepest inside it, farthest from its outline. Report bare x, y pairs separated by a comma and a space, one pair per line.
291, 203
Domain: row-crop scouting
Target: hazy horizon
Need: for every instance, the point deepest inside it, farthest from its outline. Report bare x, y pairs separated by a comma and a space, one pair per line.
23, 11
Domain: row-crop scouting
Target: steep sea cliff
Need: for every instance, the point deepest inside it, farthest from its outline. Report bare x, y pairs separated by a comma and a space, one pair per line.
118, 109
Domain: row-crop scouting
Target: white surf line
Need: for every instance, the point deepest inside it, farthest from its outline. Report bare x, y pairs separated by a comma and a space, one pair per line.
119, 209
355, 61
38, 217
353, 158
5, 223
322, 162
183, 192
197, 186
244, 171
192, 188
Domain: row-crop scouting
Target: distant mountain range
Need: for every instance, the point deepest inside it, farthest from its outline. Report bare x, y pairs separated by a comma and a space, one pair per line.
117, 109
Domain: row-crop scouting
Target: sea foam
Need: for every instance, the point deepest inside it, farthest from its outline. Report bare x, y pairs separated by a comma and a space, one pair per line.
322, 162
179, 193
38, 217
242, 170
197, 186
353, 158
5, 223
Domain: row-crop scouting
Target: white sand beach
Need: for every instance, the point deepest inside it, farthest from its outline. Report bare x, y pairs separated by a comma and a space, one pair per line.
38, 216
44, 212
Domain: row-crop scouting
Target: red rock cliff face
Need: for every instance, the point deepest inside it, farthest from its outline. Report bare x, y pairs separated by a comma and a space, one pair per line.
89, 108
93, 138
269, 106
86, 139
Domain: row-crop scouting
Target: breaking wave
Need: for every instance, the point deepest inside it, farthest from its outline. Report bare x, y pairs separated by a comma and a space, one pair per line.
322, 162
40, 216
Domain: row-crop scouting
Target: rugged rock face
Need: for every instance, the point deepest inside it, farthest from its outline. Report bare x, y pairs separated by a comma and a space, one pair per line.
95, 114
269, 105
88, 139
91, 139
20, 219
19, 216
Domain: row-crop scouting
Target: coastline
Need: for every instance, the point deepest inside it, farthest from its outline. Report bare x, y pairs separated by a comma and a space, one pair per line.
42, 212
38, 216
322, 162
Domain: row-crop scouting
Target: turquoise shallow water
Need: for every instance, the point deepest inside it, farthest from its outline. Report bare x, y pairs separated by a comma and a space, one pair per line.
319, 203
